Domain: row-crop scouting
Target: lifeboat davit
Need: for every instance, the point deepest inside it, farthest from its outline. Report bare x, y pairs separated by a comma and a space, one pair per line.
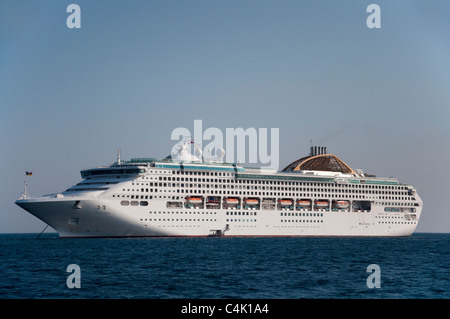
285, 202
231, 201
194, 200
342, 204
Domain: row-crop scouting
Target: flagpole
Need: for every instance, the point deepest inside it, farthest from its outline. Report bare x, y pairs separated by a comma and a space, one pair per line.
27, 173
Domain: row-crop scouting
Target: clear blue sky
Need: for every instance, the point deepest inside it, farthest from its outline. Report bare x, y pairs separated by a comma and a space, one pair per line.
136, 70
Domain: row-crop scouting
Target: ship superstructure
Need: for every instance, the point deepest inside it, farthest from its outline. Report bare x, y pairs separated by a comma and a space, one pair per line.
181, 195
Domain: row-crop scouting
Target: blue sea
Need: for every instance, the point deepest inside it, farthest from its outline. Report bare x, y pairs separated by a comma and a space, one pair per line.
416, 267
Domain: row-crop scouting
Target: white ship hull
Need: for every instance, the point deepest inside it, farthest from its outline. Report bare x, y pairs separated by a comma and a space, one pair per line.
106, 218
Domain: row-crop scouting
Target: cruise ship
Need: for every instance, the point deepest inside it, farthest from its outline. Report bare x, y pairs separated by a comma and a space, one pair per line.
183, 195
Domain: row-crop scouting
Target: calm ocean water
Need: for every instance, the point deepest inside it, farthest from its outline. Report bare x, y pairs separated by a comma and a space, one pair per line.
217, 268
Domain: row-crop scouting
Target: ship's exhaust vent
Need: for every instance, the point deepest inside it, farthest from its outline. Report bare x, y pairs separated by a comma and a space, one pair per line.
318, 150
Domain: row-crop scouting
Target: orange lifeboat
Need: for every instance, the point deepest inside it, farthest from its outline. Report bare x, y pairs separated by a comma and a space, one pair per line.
303, 203
285, 202
321, 203
194, 200
231, 201
251, 201
342, 204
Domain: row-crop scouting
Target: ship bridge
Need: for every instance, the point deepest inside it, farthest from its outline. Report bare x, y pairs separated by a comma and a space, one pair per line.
320, 160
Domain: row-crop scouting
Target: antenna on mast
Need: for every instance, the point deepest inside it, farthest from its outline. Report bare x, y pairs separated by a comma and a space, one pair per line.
118, 157
25, 191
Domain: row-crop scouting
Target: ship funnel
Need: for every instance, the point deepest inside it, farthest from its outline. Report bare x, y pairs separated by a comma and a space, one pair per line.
318, 150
